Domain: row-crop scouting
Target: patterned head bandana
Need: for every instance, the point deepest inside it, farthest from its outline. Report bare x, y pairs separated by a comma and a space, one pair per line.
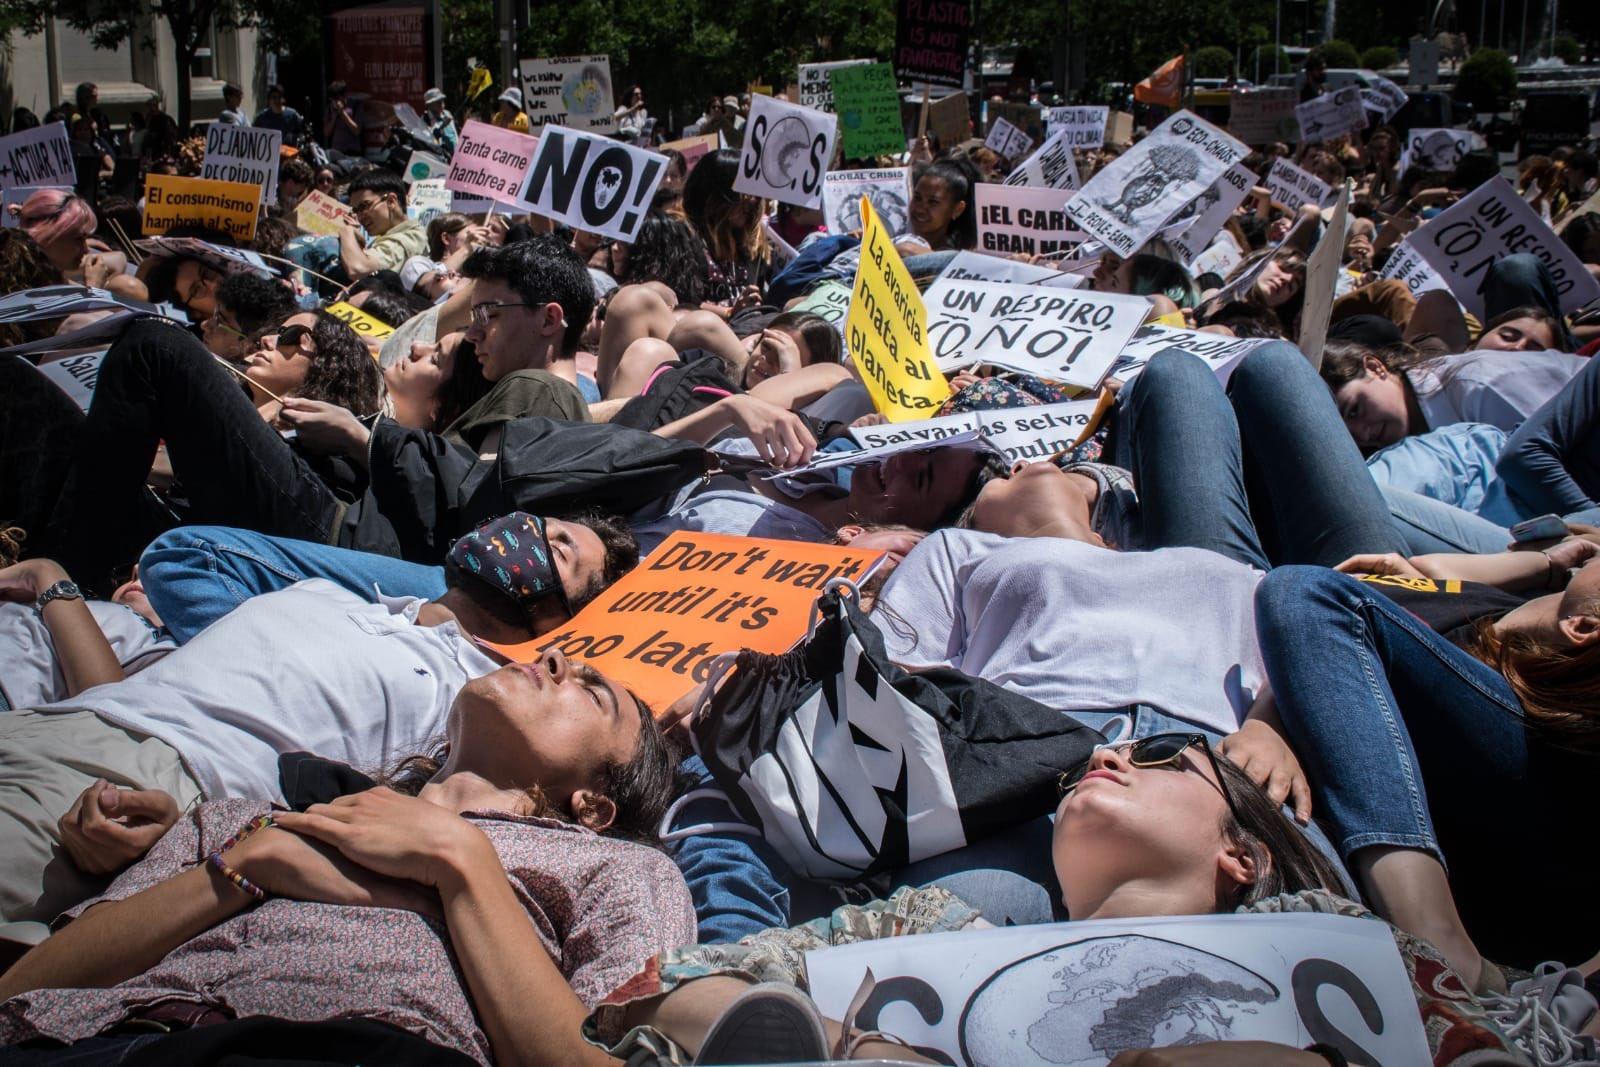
512, 554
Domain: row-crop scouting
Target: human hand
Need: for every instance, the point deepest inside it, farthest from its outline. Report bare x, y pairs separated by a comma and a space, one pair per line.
874, 419
777, 352
285, 863
921, 151
391, 834
100, 267
750, 297
781, 437
1221, 1054
108, 828
1261, 752
964, 378
23, 582
323, 427
1572, 553
1388, 563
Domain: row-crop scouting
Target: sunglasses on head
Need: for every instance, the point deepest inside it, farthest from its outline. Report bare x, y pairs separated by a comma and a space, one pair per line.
1158, 750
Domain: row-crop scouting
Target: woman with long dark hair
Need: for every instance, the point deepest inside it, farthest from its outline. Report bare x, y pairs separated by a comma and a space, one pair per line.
729, 223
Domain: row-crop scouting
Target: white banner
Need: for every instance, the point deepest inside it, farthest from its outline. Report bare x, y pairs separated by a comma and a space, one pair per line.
1029, 433
428, 200
570, 91
1051, 167
593, 183
1384, 97
1016, 219
974, 266
1069, 336
1485, 226
1405, 264
423, 166
1436, 149
1129, 200
1220, 351
1083, 127
816, 91
246, 154
787, 149
40, 156
1080, 993
1263, 116
76, 375
1294, 188
889, 191
1322, 118
1211, 212
1008, 140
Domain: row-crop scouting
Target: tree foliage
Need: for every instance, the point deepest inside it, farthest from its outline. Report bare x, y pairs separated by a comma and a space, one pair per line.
1213, 62
1380, 57
1486, 80
1337, 53
1567, 49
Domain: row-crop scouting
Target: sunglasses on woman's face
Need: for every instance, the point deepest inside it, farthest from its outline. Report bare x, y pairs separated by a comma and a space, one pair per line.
287, 337
1158, 750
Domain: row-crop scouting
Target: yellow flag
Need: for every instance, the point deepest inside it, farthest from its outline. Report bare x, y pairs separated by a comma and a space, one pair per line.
886, 330
478, 82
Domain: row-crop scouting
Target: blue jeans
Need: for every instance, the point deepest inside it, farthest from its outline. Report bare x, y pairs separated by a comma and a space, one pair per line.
1429, 525
194, 575
1263, 474
1411, 742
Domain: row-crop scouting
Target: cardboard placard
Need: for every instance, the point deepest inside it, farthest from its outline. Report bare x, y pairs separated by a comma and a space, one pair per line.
949, 120
692, 148
1130, 199
787, 149
76, 375
974, 266
1263, 116
491, 162
570, 91
1211, 211
1322, 276
423, 166
593, 183
816, 83
1070, 336
868, 104
1008, 140
886, 330
1030, 433
16, 197
930, 41
698, 595
1083, 992
1018, 219
889, 191
37, 157
369, 328
428, 200
321, 213
1485, 226
1119, 129
1294, 188
1051, 167
231, 207
247, 154
830, 302
1435, 149
1220, 351
1083, 127
1384, 97
1322, 118
1408, 266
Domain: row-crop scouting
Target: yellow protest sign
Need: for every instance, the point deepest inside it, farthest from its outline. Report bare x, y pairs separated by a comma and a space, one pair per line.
227, 206
321, 214
359, 321
696, 596
886, 330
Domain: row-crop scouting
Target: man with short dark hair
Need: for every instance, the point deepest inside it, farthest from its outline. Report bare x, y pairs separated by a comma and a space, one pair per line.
247, 303
277, 116
378, 201
232, 106
295, 178
530, 303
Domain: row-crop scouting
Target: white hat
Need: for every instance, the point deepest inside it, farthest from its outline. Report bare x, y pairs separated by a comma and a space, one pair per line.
414, 268
512, 96
433, 96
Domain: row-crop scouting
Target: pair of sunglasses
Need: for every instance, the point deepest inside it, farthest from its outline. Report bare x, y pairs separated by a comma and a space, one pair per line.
1158, 750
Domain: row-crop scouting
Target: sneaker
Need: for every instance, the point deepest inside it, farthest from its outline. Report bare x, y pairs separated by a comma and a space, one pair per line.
768, 1023
1544, 1013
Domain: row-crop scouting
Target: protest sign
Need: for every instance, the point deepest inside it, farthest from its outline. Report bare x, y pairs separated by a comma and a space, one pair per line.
1422, 62
407, 116
1485, 226
1082, 127
1384, 97
829, 301
593, 183
1016, 218
692, 148
1025, 117
1029, 433
1322, 118
1211, 211
1222, 352
422, 166
428, 200
1408, 266
491, 162
827, 461
1129, 200
570, 91
974, 266
1322, 279
886, 330
40, 156
217, 257
889, 191
1006, 139
363, 324
1119, 129
1051, 167
1263, 116
948, 120
930, 41
816, 83
868, 104
59, 301
1069, 336
76, 375
247, 154
1435, 149
657, 629
1293, 187
471, 205
1083, 992
787, 149
227, 206
16, 197
321, 213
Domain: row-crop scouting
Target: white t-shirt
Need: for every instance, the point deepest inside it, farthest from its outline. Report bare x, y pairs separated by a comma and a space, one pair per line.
30, 674
1499, 388
310, 668
1078, 627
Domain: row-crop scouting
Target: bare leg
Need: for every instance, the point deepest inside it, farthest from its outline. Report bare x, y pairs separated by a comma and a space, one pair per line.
708, 330
1411, 890
637, 364
635, 311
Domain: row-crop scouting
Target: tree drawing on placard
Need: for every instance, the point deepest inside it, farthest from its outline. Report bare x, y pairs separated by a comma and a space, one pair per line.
1166, 165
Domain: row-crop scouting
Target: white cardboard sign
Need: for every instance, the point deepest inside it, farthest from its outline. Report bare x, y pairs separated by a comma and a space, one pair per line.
1081, 993
816, 90
1016, 219
1405, 264
246, 154
1051, 167
1083, 127
1485, 226
1069, 336
889, 191
40, 156
1435, 149
787, 149
424, 166
1293, 187
1384, 97
1322, 118
1211, 212
76, 375
593, 183
570, 91
1029, 433
1263, 116
1128, 201
1008, 140
428, 200
1221, 352
974, 266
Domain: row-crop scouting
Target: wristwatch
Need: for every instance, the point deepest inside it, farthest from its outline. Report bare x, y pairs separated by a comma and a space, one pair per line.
62, 590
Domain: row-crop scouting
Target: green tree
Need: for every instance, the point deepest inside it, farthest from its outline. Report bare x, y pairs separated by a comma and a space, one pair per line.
1567, 50
1213, 62
1380, 57
1486, 79
1272, 60
1337, 53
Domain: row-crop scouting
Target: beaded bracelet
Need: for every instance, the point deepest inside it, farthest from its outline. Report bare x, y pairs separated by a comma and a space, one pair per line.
218, 864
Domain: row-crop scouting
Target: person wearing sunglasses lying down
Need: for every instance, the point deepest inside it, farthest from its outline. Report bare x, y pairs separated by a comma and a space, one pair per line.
492, 873
1156, 827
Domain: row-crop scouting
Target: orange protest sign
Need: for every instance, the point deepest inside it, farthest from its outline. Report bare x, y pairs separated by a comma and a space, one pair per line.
696, 596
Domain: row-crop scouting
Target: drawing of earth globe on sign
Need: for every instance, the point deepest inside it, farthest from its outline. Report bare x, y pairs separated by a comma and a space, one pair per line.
1079, 1004
586, 92
786, 145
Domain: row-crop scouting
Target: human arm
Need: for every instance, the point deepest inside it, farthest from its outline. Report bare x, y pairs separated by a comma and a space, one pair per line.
82, 651
781, 437
353, 254
327, 428
1552, 462
108, 828
1515, 572
1260, 749
800, 387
